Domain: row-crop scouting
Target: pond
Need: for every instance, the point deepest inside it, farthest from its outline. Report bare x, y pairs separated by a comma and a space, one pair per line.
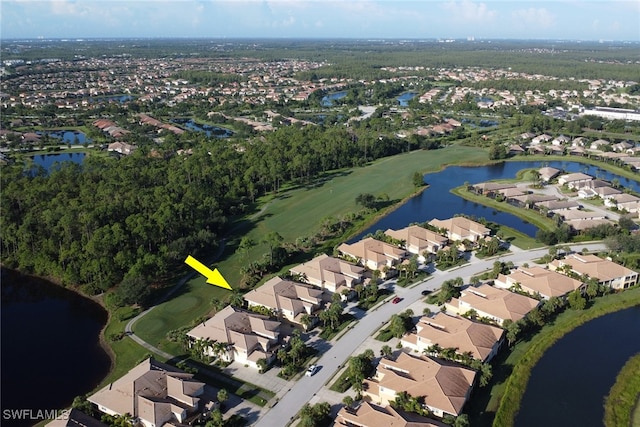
73, 137
404, 99
327, 100
48, 161
569, 384
438, 202
115, 98
50, 343
209, 130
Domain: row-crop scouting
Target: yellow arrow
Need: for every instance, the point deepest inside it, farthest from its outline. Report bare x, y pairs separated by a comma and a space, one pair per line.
213, 277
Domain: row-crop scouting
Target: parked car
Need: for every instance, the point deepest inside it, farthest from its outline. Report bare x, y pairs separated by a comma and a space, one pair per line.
426, 292
396, 300
311, 370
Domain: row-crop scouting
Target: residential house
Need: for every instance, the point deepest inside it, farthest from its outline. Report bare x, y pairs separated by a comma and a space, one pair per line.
121, 147
444, 386
418, 240
491, 188
555, 205
248, 336
572, 180
579, 224
332, 274
595, 145
541, 139
561, 140
370, 415
574, 214
154, 394
373, 253
625, 201
75, 418
286, 298
460, 228
547, 173
607, 272
538, 281
493, 303
479, 339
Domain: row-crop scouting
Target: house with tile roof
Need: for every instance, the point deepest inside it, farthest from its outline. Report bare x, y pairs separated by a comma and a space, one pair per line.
370, 415
481, 340
154, 394
373, 253
444, 386
538, 280
607, 272
418, 240
330, 273
248, 336
573, 180
493, 303
288, 299
460, 228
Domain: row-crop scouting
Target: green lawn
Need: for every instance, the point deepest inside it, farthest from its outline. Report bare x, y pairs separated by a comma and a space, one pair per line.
294, 213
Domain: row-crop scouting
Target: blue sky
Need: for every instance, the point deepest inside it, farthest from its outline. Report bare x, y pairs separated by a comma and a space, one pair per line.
370, 19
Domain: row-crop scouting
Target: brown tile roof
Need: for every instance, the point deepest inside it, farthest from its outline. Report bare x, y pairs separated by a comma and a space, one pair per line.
418, 239
458, 332
496, 302
325, 270
593, 266
150, 391
444, 386
546, 282
279, 294
372, 249
461, 226
370, 415
242, 328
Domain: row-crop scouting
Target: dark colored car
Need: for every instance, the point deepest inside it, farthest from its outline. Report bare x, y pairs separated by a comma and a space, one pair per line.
426, 292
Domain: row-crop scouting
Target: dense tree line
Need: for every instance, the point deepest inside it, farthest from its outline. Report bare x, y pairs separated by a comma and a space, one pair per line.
137, 217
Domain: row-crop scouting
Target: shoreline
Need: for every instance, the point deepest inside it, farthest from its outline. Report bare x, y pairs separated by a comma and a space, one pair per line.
97, 299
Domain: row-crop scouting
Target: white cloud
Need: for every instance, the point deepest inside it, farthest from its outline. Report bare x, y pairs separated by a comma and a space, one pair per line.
469, 11
539, 17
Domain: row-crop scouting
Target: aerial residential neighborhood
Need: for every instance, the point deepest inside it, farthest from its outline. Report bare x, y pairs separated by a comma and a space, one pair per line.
367, 232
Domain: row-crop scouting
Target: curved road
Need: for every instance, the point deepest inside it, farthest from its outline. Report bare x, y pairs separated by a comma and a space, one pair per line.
332, 360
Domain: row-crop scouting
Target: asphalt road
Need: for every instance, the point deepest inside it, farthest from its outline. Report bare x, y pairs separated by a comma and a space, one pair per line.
307, 387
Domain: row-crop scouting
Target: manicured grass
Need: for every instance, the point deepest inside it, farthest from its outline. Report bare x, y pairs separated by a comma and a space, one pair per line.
527, 354
192, 301
624, 396
518, 238
126, 352
294, 213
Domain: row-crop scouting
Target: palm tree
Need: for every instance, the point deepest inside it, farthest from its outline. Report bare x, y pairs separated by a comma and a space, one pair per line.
306, 321
236, 299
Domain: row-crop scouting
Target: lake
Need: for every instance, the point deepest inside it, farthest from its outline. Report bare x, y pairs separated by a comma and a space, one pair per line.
209, 130
47, 161
74, 137
404, 99
438, 202
327, 100
569, 384
50, 344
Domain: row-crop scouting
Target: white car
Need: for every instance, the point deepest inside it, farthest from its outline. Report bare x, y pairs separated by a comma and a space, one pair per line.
311, 370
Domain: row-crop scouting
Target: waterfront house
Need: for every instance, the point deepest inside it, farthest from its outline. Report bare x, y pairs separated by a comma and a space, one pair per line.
466, 336
537, 280
460, 228
607, 272
370, 415
444, 386
418, 240
492, 303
